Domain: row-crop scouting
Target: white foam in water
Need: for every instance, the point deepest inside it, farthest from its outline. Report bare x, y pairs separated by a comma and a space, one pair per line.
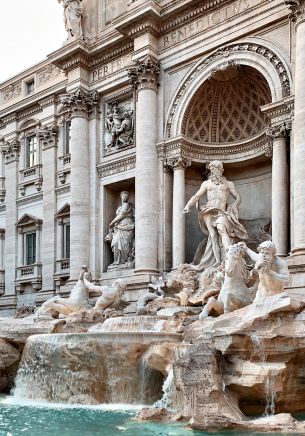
165, 401
13, 401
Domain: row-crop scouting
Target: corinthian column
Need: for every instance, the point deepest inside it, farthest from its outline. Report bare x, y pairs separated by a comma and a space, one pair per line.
11, 151
144, 77
297, 8
178, 165
81, 105
48, 140
280, 188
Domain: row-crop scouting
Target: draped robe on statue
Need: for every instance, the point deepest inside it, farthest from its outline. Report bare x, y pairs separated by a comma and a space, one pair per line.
72, 17
234, 229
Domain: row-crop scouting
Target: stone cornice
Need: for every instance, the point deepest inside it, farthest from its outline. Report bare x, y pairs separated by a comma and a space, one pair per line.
183, 147
139, 20
279, 112
119, 165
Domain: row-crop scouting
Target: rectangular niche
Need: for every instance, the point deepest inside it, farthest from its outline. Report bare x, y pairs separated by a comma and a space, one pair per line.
111, 202
118, 123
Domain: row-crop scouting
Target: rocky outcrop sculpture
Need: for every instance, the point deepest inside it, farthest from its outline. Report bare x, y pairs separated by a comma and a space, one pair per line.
157, 284
183, 281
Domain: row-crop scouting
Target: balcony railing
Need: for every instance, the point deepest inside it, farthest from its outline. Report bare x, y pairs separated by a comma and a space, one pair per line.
27, 272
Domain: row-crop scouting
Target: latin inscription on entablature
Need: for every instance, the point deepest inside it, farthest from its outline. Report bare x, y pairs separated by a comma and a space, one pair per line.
111, 67
213, 19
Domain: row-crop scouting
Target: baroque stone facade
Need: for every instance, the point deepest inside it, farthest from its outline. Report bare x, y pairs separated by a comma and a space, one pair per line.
141, 96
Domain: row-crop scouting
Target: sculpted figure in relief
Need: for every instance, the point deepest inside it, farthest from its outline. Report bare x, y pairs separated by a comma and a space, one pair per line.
120, 126
272, 270
121, 234
217, 218
73, 12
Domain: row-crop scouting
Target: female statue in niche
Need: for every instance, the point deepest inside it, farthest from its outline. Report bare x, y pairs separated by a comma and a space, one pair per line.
73, 12
121, 234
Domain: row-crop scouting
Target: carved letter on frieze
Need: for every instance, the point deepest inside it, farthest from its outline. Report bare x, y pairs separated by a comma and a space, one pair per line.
119, 127
145, 74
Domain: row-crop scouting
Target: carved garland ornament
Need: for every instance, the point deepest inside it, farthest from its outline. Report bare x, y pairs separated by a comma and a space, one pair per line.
223, 53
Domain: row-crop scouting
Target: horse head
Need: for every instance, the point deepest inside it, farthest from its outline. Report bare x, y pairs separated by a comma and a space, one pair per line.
234, 258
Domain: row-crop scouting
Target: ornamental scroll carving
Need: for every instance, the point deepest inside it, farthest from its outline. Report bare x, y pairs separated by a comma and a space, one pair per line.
12, 91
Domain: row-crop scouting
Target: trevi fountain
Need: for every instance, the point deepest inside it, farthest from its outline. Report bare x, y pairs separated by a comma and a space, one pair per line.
152, 223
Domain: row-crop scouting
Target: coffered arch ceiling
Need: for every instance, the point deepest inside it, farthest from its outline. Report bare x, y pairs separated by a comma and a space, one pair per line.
227, 107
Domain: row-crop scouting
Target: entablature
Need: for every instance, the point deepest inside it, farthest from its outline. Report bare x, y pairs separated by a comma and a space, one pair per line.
182, 146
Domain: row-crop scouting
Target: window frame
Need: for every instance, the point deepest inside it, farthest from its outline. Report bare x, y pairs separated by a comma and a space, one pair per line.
31, 156
26, 256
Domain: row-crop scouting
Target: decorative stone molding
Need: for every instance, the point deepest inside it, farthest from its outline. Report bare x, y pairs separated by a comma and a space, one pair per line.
117, 166
145, 73
48, 136
61, 190
280, 112
10, 150
234, 152
178, 162
239, 52
12, 91
81, 103
297, 10
50, 72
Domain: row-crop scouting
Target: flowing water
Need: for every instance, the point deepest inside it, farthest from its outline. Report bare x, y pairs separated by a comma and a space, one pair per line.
270, 391
90, 368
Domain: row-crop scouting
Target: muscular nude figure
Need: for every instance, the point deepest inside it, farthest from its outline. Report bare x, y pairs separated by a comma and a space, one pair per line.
218, 219
272, 270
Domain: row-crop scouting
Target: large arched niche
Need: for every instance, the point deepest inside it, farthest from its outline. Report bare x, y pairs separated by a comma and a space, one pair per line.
218, 108
227, 107
264, 57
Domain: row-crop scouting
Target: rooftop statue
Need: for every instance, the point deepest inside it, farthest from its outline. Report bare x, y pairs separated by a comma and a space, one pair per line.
73, 12
272, 270
217, 218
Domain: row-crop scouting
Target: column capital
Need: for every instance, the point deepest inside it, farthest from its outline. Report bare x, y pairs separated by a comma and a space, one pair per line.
297, 10
10, 150
48, 136
178, 162
279, 131
144, 73
81, 103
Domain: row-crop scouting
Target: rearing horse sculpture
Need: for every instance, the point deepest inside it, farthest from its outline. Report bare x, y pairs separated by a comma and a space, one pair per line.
234, 293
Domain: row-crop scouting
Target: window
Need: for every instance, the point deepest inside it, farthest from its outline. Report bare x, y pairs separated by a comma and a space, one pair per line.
31, 151
30, 248
66, 241
67, 139
29, 87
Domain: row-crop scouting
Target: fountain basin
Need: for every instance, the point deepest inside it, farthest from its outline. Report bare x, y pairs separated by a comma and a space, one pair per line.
91, 368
